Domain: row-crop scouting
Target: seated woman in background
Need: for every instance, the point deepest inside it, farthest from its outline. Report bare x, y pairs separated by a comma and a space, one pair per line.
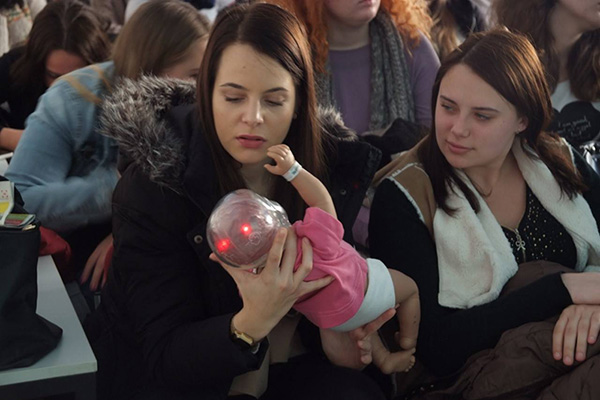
66, 35
174, 324
374, 61
375, 64
566, 34
487, 190
65, 170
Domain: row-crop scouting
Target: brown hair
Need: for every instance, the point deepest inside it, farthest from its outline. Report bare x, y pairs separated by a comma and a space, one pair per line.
272, 31
531, 17
157, 36
443, 31
508, 63
67, 25
410, 16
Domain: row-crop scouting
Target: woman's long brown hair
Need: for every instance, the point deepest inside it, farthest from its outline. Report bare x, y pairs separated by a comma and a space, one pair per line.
508, 63
274, 32
531, 17
67, 25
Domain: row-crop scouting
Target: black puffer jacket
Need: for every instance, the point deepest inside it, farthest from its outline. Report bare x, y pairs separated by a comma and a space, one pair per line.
165, 311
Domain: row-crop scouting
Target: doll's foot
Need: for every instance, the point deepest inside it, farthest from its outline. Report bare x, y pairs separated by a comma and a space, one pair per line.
410, 364
387, 362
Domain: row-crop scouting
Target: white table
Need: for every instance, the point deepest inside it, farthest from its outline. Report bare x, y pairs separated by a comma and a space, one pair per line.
69, 368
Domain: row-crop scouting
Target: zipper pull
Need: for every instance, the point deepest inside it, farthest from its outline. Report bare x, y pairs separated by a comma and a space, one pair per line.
520, 243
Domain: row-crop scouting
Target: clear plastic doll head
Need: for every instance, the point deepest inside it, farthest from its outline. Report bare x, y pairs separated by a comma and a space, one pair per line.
242, 226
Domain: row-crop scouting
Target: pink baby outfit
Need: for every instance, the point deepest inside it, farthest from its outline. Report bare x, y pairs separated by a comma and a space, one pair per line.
340, 300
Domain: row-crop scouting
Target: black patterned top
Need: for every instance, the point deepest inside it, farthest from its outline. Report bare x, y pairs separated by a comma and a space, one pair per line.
540, 236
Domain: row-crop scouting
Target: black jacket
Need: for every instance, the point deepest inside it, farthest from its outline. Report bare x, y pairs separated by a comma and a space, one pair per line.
166, 309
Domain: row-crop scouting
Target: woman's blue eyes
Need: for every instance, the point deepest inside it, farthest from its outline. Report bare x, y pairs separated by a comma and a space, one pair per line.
479, 116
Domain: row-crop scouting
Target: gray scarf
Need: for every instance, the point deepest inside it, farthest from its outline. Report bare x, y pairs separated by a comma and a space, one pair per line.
391, 93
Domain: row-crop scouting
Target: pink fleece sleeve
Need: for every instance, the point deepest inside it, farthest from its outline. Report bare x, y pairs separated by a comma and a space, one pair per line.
341, 299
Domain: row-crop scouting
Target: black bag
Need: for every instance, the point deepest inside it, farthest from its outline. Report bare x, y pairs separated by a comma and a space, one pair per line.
25, 337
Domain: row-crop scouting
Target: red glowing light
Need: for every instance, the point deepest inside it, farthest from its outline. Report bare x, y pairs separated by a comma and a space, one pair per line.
246, 229
223, 245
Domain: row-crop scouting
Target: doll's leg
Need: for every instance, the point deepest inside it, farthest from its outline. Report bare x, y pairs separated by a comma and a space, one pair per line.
409, 309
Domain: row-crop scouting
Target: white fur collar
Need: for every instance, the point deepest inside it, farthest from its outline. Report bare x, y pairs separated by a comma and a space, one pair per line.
475, 259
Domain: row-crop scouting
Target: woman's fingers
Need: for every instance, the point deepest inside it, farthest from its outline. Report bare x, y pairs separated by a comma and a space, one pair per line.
569, 341
307, 261
276, 253
89, 266
378, 322
577, 326
305, 268
557, 337
237, 274
364, 331
308, 287
583, 329
288, 260
98, 272
366, 351
594, 327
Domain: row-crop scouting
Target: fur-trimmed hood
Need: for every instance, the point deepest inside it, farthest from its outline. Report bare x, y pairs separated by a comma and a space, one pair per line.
134, 114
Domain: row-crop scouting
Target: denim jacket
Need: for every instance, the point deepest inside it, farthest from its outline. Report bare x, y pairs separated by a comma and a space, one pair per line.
64, 169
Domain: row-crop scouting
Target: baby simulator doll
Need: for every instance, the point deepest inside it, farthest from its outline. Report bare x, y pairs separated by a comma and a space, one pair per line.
241, 230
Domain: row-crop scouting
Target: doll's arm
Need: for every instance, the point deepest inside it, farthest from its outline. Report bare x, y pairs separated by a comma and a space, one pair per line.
311, 189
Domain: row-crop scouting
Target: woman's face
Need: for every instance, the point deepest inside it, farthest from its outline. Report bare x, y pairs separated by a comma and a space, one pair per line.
254, 101
475, 126
61, 62
352, 12
189, 66
583, 14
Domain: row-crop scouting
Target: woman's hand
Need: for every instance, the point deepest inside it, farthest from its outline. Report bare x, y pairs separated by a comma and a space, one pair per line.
578, 326
270, 294
353, 349
97, 265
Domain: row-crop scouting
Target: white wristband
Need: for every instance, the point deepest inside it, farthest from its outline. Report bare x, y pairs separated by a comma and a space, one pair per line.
293, 171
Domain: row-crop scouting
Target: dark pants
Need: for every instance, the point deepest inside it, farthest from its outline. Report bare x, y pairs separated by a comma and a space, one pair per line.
306, 377
310, 377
